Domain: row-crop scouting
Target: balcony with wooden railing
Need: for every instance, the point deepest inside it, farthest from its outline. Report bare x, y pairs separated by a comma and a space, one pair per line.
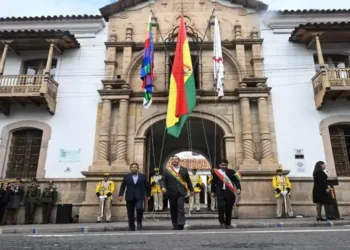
331, 84
40, 90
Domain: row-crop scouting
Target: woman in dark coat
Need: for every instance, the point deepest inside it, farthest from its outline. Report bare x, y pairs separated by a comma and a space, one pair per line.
320, 193
15, 197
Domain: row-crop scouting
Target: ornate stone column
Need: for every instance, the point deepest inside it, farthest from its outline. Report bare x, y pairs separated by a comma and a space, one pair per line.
240, 49
257, 60
127, 51
265, 137
3, 59
105, 131
249, 162
122, 130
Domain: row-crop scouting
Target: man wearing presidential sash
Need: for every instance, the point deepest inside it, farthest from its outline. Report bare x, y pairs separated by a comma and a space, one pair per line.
223, 186
177, 185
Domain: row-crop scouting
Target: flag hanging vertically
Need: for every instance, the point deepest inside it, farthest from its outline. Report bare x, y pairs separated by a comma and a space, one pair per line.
218, 62
146, 75
182, 90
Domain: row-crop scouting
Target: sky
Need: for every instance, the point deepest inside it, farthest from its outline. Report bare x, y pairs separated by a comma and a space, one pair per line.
70, 7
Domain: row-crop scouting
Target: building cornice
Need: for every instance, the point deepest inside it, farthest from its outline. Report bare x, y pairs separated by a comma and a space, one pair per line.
87, 28
285, 23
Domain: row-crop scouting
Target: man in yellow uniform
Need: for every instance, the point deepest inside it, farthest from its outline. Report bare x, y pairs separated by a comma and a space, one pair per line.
212, 200
197, 183
282, 187
157, 191
104, 192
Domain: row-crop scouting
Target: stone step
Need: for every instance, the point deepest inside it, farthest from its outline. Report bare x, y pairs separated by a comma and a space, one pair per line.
207, 215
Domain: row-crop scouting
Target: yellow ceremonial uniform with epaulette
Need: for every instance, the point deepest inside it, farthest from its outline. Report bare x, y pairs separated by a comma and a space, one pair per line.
104, 192
213, 199
197, 183
282, 185
157, 193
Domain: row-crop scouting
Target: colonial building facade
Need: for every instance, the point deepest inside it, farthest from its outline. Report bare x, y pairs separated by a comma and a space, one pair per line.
307, 64
88, 79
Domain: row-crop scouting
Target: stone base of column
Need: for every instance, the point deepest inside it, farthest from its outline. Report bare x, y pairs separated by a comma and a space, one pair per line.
100, 165
120, 166
249, 164
269, 164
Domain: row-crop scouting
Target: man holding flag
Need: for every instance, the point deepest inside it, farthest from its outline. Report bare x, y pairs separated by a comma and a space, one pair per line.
223, 187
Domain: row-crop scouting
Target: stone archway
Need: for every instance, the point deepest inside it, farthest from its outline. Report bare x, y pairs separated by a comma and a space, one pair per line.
201, 127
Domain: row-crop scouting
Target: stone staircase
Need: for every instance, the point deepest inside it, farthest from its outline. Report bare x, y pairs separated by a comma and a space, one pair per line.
204, 214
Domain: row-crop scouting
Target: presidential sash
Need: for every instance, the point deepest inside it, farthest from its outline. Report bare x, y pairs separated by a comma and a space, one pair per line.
223, 177
177, 176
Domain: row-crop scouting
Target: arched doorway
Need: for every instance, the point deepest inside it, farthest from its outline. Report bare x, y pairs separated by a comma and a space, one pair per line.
199, 135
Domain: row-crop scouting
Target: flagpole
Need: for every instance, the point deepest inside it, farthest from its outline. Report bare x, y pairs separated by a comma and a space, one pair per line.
161, 36
205, 34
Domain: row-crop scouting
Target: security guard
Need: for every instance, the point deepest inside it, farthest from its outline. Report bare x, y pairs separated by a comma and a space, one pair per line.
197, 183
104, 192
213, 199
157, 191
48, 200
31, 200
282, 187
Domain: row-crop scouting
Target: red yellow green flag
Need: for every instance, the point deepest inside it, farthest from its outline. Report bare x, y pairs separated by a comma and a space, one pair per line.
182, 91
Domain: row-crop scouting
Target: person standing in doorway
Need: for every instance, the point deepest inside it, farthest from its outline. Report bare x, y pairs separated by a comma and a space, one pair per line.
15, 198
31, 200
157, 191
48, 200
104, 191
137, 188
197, 184
176, 183
222, 187
282, 187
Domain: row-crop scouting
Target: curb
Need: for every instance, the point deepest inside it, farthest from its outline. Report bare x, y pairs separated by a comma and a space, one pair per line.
96, 229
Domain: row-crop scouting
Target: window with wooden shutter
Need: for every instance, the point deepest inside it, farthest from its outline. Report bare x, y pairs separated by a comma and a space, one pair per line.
24, 153
340, 140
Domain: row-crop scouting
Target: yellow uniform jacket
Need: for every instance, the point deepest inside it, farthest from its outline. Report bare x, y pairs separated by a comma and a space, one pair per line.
105, 187
281, 182
156, 188
196, 180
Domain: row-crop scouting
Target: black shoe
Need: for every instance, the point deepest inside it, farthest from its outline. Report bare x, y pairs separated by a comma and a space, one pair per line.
139, 226
98, 221
320, 219
131, 229
108, 221
228, 226
180, 227
222, 225
174, 227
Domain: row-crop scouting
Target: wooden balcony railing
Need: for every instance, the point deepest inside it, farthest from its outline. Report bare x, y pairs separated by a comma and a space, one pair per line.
331, 84
37, 89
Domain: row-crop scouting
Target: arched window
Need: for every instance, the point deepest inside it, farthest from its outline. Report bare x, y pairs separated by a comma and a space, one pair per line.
23, 154
340, 140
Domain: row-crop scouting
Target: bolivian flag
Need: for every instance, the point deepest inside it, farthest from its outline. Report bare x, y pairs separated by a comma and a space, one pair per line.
182, 91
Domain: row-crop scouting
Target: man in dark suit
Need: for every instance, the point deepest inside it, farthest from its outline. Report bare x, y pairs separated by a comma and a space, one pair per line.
137, 188
224, 192
177, 185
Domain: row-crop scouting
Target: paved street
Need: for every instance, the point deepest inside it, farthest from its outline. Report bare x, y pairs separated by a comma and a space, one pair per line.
307, 238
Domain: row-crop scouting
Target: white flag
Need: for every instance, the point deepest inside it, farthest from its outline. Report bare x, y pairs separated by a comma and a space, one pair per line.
218, 62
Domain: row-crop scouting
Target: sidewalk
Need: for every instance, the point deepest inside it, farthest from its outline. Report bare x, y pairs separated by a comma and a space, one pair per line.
160, 225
